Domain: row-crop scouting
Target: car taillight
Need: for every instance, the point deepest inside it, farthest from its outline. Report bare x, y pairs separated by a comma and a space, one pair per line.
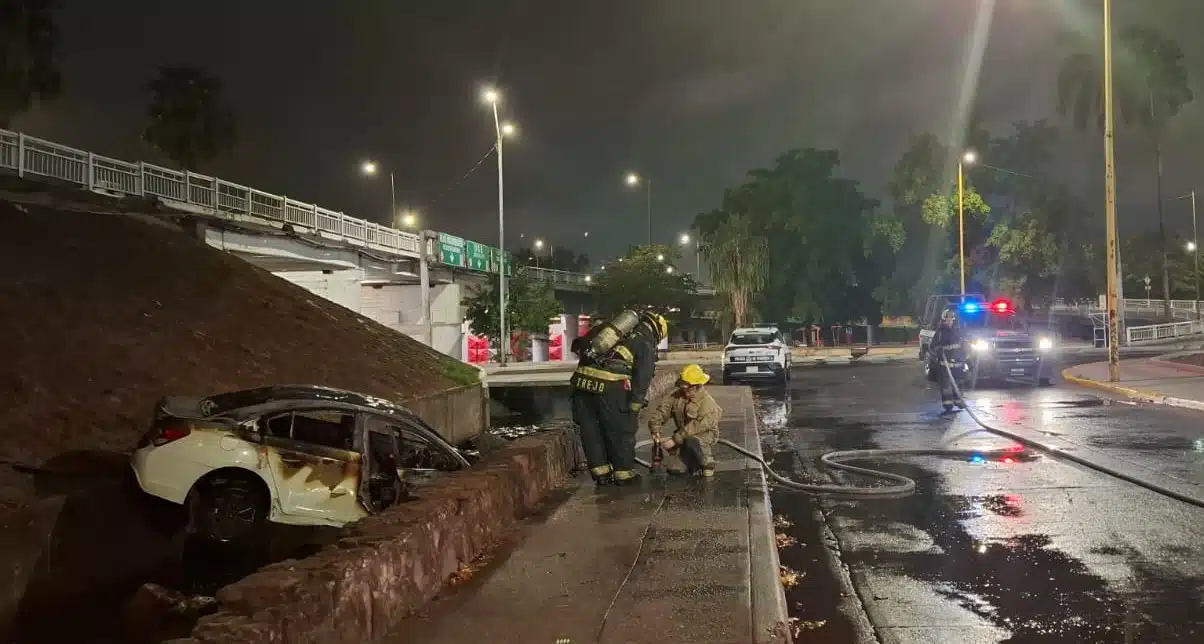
169, 434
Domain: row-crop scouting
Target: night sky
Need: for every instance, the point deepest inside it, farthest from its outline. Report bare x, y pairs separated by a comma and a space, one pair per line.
690, 92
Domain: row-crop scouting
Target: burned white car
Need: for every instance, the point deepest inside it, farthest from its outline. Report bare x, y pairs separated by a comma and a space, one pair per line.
296, 454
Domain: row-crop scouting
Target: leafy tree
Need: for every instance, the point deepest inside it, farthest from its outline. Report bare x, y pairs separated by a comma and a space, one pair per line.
1150, 88
189, 120
558, 258
738, 258
818, 230
530, 306
1024, 234
29, 71
1140, 257
647, 278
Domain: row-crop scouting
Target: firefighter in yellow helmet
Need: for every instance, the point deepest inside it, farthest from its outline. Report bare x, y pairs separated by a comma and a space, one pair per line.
610, 387
695, 416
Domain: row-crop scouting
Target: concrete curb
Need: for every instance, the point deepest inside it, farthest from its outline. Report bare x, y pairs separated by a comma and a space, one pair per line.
1129, 392
386, 566
770, 615
1165, 361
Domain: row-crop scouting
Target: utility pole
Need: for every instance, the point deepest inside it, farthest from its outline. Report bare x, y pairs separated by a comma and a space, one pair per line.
1110, 203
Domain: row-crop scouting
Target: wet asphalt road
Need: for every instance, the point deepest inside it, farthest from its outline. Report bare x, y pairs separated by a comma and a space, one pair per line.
1034, 551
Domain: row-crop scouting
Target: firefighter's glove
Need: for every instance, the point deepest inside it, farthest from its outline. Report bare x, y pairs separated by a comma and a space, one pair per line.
636, 406
668, 445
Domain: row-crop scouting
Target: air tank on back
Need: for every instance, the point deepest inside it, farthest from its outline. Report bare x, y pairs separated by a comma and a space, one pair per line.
610, 333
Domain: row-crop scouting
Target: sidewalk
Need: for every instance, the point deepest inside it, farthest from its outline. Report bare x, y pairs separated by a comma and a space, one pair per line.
682, 560
557, 371
1150, 379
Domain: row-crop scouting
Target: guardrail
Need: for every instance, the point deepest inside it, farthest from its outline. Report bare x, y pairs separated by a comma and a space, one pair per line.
30, 156
1153, 332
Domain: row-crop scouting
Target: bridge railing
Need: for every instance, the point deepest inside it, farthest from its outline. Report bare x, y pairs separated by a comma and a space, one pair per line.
30, 156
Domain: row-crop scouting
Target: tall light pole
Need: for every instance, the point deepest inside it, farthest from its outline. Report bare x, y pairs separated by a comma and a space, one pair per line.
1110, 203
1194, 247
492, 97
966, 158
538, 246
370, 168
633, 180
685, 241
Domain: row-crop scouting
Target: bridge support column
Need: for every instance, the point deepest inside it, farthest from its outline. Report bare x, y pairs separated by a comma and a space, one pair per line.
424, 275
570, 322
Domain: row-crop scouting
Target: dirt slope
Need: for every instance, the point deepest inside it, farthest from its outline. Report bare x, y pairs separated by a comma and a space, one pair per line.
100, 315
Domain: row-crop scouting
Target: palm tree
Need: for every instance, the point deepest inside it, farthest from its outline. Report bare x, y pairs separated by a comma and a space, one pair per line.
1151, 87
189, 120
29, 70
738, 259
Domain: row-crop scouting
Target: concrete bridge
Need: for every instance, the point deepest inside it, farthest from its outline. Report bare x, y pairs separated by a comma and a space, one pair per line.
414, 282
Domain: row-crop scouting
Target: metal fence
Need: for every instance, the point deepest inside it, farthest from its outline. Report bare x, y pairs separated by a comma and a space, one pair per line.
33, 157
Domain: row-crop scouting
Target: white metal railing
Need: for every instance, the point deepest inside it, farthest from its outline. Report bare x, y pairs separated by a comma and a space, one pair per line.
1153, 332
559, 277
30, 156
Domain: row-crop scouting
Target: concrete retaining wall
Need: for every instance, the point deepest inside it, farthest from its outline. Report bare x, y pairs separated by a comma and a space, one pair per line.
389, 565
458, 415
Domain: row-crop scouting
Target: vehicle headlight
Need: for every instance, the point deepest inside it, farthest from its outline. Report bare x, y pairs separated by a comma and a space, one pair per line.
1045, 344
980, 346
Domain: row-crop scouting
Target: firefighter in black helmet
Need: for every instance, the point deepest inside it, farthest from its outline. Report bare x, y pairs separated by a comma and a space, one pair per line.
610, 387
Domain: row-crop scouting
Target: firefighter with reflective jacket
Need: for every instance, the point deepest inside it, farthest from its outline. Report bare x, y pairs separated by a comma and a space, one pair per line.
946, 347
610, 387
695, 416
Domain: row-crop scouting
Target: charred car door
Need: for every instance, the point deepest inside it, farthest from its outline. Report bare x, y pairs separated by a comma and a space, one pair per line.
315, 464
381, 484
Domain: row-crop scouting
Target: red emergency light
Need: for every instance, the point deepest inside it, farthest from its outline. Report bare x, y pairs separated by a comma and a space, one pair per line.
1001, 306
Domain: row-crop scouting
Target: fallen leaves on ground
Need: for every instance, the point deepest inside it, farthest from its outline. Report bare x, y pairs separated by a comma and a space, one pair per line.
785, 540
782, 523
799, 625
789, 577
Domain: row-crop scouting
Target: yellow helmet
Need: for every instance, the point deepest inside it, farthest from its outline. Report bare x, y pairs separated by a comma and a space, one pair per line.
694, 375
658, 323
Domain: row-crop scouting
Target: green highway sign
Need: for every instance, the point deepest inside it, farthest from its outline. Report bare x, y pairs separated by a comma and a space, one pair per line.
479, 256
451, 250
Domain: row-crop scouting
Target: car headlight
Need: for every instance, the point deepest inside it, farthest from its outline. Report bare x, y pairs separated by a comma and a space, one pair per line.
1045, 344
980, 346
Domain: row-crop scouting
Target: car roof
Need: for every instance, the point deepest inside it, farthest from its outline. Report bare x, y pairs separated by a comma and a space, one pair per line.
308, 393
755, 329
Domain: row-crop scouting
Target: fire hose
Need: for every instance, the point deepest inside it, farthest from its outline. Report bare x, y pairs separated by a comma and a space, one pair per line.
898, 486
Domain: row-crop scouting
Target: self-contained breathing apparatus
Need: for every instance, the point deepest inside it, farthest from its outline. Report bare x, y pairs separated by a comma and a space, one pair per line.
610, 383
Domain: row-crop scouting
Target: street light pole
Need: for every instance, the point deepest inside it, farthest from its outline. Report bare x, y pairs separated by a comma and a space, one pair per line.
633, 180
492, 97
961, 224
648, 185
1195, 247
966, 157
1110, 203
392, 199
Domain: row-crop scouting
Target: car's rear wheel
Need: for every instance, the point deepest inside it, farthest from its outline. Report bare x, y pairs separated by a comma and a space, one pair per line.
228, 508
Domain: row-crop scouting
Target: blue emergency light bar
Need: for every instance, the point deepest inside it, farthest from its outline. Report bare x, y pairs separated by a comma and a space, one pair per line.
971, 307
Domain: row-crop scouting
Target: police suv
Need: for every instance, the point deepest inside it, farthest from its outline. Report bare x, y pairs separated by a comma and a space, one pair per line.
999, 346
756, 353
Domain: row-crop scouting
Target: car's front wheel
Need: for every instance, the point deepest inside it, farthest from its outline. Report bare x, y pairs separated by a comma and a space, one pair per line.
228, 508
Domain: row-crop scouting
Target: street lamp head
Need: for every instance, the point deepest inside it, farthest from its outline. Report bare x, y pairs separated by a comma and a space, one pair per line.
660, 257
669, 270
369, 167
491, 95
409, 219
508, 129
538, 244
1191, 246
969, 158
588, 279
633, 179
685, 239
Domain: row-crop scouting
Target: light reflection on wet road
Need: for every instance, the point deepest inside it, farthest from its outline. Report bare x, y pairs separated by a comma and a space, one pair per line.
1030, 552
